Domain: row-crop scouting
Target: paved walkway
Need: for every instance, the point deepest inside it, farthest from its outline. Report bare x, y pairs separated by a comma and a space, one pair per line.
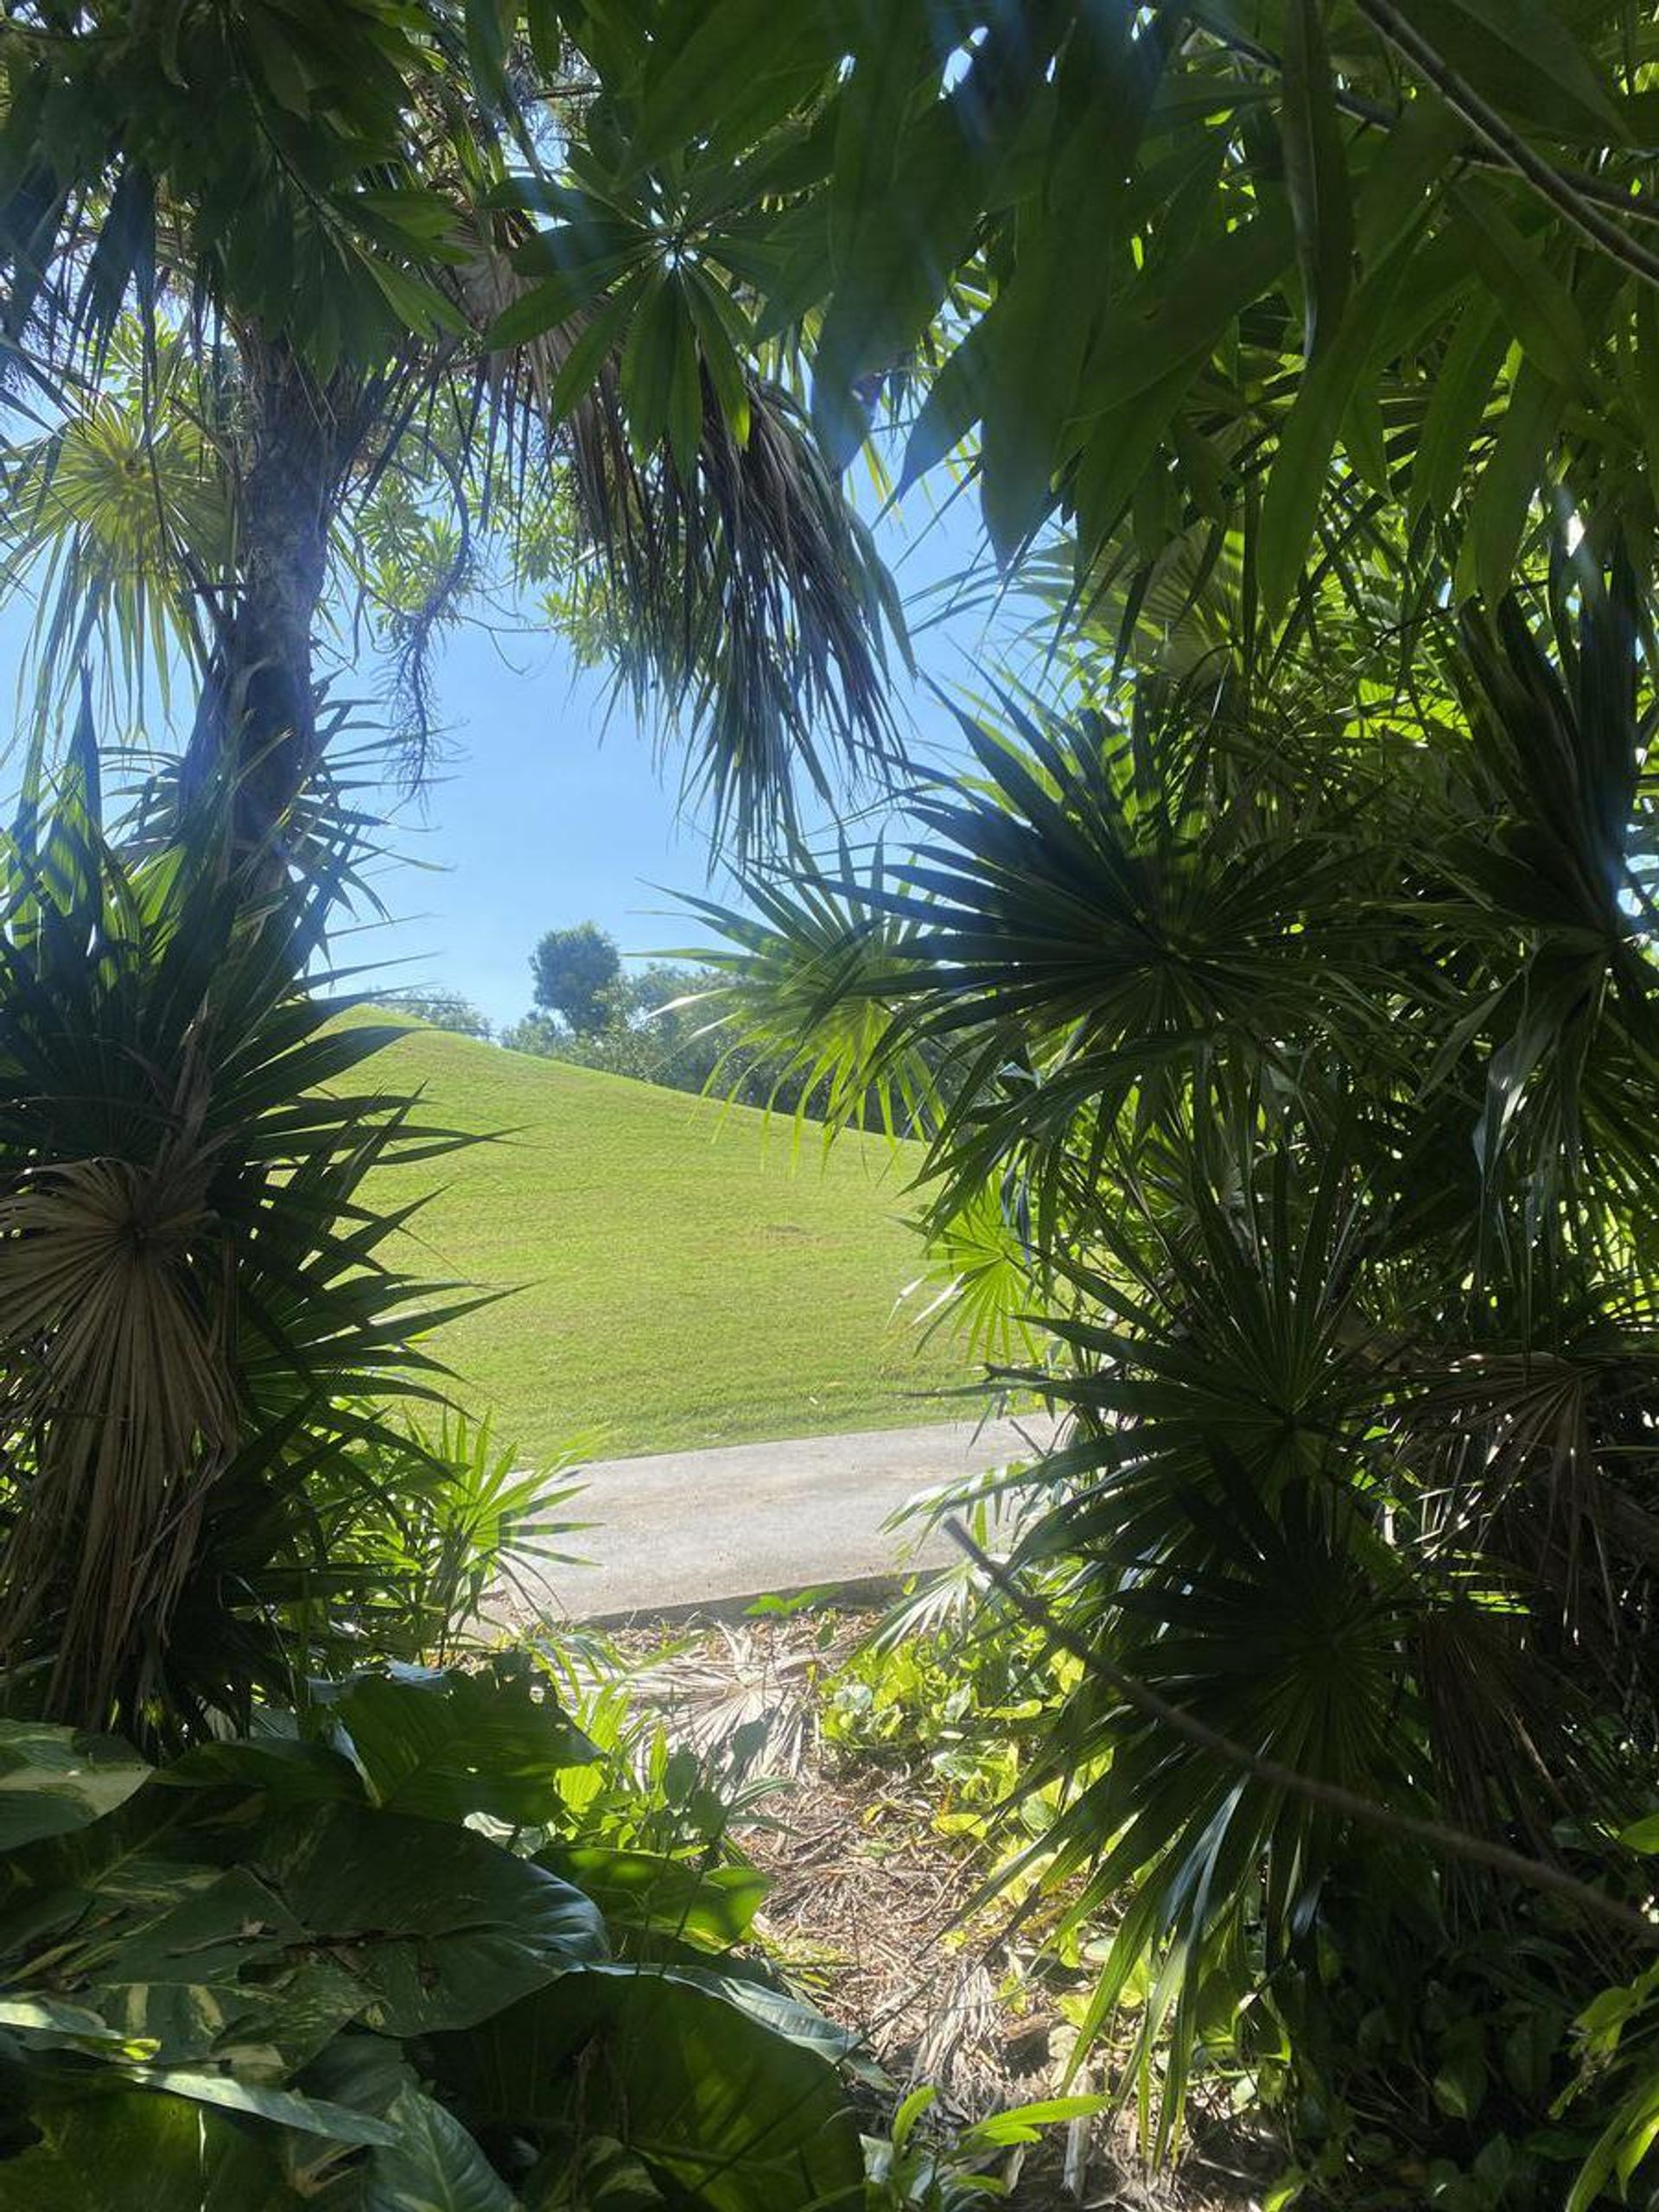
684, 1531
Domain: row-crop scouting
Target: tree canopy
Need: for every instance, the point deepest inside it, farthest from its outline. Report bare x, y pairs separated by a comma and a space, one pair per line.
1249, 297
576, 973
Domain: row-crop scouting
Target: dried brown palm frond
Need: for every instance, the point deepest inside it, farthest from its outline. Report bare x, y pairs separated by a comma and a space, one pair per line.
749, 600
115, 1313
740, 1678
743, 597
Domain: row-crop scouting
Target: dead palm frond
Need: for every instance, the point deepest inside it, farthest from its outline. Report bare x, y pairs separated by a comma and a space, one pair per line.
758, 1680
113, 1341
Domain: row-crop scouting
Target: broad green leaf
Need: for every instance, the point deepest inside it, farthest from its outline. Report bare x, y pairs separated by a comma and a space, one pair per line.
415, 303
738, 64
649, 358
546, 35
1025, 2123
288, 1770
596, 2175
1364, 439
53, 1780
489, 27
954, 402
1541, 311
433, 2165
594, 345
1642, 1835
122, 2151
558, 298
442, 1927
1177, 317
1626, 2138
713, 1906
1119, 449
449, 1745
1316, 173
49, 2020
685, 393
1415, 155
211, 1934
1462, 387
734, 2115
885, 295
796, 2021
259, 2101
281, 62
894, 48
1508, 486
1021, 364
711, 310
1460, 2079
225, 1972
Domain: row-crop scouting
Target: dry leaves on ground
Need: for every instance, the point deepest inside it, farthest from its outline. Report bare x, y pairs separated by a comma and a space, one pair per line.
878, 1915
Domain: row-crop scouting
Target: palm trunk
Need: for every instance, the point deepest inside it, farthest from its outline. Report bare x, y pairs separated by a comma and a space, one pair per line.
255, 722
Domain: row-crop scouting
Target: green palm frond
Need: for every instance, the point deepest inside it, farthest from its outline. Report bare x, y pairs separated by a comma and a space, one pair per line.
194, 1297
811, 973
119, 524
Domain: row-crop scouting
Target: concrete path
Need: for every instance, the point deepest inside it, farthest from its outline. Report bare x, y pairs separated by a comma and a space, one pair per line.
693, 1531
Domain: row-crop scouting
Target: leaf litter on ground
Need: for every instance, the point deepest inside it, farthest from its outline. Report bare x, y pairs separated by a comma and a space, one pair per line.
875, 1912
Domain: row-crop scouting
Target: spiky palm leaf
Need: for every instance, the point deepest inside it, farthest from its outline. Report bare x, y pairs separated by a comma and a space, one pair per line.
195, 1301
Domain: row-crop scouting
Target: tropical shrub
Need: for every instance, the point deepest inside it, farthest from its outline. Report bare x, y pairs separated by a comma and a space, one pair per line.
307, 1967
202, 1324
1305, 1045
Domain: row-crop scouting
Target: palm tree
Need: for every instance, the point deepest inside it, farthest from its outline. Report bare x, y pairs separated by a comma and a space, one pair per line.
1306, 1059
262, 272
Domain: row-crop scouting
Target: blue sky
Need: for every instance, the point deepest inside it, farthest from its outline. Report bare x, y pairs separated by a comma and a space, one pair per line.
550, 808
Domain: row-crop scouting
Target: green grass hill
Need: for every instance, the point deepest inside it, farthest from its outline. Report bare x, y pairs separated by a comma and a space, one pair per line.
684, 1273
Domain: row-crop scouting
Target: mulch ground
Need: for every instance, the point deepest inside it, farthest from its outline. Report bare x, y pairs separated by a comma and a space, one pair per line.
877, 1916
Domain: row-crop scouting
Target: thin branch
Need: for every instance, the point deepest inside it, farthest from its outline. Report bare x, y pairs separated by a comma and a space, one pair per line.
1452, 1843
1377, 116
1590, 222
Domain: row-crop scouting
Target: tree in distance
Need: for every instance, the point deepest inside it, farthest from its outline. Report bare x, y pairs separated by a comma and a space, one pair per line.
576, 973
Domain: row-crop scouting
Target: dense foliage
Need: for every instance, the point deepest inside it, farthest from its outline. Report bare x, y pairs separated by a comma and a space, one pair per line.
345, 1962
1276, 984
1306, 1060
380, 1925
198, 1317
575, 974
261, 268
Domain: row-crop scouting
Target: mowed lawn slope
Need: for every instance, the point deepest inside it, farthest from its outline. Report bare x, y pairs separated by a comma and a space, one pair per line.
687, 1275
